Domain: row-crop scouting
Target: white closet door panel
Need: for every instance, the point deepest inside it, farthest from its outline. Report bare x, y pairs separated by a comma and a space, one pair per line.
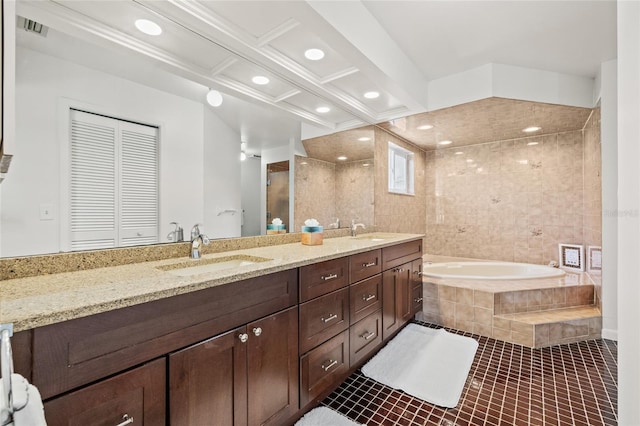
93, 190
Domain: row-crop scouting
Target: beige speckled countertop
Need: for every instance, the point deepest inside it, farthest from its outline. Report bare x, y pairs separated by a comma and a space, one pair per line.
46, 299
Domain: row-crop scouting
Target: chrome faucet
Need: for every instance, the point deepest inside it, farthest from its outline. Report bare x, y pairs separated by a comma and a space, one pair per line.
177, 234
355, 226
197, 240
334, 225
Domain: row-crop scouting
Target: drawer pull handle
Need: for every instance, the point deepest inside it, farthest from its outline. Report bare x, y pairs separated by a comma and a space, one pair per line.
368, 265
126, 420
367, 336
418, 300
366, 298
328, 277
257, 331
331, 317
243, 337
332, 363
418, 273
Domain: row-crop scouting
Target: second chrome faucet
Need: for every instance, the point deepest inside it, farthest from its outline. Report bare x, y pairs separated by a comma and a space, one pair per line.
197, 240
355, 226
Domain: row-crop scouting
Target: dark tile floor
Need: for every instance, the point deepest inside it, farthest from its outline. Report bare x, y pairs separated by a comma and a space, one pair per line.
573, 384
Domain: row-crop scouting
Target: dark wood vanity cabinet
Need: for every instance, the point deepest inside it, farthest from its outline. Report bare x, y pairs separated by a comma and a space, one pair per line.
137, 396
248, 376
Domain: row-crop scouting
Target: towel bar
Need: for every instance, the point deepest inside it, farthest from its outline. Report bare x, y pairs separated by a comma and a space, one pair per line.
6, 359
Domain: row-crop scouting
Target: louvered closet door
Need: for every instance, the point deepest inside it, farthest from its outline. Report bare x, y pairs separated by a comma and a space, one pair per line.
139, 187
93, 182
114, 182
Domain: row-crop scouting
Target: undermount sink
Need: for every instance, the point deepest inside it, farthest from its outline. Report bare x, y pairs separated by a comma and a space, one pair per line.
204, 266
374, 237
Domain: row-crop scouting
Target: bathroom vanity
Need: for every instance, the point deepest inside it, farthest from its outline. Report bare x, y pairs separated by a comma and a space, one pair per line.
255, 344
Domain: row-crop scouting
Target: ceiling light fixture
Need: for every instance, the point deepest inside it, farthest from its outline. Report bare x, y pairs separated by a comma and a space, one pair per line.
532, 143
445, 143
469, 160
531, 129
214, 98
364, 139
148, 27
425, 127
371, 95
323, 109
365, 164
260, 79
314, 54
459, 153
342, 158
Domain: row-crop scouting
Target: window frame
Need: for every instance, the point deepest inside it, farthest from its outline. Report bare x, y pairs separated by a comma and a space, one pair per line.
400, 182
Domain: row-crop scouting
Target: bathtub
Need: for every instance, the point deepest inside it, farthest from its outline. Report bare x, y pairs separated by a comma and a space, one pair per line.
489, 270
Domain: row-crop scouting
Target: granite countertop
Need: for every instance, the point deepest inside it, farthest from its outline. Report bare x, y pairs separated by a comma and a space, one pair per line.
46, 299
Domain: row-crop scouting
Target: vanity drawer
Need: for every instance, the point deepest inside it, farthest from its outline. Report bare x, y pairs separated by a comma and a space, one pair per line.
401, 253
364, 337
365, 265
323, 318
365, 297
73, 353
323, 367
322, 278
138, 394
416, 298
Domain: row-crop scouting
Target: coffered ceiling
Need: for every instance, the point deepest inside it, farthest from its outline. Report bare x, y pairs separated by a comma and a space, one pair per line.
393, 48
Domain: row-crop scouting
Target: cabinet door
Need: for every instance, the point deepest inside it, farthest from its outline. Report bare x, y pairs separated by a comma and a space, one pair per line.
272, 368
207, 382
396, 299
416, 297
137, 395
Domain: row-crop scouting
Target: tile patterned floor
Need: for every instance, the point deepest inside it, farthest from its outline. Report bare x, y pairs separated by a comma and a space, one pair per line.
572, 384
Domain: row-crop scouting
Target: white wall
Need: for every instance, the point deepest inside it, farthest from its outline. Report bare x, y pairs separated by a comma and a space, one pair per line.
44, 85
222, 189
628, 212
251, 183
609, 136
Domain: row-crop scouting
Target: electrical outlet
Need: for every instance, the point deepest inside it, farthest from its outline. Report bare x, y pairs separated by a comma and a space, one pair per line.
46, 212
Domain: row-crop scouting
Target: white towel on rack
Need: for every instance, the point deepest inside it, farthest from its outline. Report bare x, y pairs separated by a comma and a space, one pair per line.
27, 403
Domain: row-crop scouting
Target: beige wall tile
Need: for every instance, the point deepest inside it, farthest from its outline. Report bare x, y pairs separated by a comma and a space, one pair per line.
501, 334
524, 339
464, 296
483, 316
464, 312
541, 335
502, 323
483, 299
447, 293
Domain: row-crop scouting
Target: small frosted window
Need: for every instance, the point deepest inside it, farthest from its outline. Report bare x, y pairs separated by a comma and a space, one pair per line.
400, 170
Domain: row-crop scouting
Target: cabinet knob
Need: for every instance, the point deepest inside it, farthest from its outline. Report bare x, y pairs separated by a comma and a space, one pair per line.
126, 420
398, 270
257, 331
243, 337
332, 363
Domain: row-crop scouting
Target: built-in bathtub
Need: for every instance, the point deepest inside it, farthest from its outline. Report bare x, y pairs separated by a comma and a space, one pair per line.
531, 305
490, 270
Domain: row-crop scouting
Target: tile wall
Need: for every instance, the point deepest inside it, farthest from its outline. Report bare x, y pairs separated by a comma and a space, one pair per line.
326, 191
512, 200
394, 212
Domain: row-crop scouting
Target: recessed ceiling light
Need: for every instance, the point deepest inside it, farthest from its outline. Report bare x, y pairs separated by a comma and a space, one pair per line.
260, 79
364, 139
323, 109
425, 127
371, 95
214, 98
459, 153
148, 27
532, 143
342, 158
243, 156
303, 163
314, 54
531, 129
365, 164
445, 143
469, 160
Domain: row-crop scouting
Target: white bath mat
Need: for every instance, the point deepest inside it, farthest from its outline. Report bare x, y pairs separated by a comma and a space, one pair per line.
323, 416
430, 364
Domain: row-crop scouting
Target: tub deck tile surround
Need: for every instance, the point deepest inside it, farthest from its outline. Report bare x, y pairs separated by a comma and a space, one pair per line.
532, 312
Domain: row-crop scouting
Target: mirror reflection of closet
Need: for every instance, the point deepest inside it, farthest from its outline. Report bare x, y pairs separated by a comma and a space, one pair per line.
278, 193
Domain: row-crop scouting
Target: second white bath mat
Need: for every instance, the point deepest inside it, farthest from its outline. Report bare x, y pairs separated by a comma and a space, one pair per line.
323, 416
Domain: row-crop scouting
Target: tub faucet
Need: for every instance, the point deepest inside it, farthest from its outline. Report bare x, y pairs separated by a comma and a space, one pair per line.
355, 226
197, 240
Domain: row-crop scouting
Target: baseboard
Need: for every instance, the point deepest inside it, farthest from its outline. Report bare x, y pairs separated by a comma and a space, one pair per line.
610, 334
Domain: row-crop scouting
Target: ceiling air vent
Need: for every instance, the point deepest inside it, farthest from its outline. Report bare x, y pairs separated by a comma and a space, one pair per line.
32, 26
